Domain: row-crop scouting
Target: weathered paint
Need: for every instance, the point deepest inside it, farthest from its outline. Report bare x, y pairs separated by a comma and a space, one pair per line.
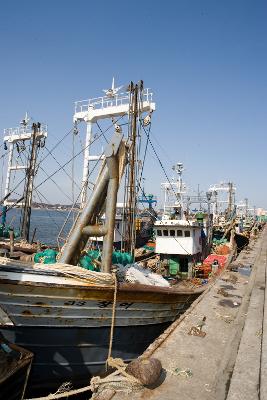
67, 325
45, 306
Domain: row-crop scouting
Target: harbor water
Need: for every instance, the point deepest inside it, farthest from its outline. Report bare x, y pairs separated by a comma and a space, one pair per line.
46, 223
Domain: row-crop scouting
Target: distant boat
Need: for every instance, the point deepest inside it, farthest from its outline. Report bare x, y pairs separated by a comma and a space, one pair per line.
178, 235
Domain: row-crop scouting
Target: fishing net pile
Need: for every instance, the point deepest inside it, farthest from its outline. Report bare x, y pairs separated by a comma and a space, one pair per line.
134, 273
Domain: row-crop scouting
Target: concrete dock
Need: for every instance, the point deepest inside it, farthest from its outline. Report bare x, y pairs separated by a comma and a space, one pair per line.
228, 361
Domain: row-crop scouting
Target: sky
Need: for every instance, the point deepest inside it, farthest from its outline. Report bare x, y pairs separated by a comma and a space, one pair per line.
205, 62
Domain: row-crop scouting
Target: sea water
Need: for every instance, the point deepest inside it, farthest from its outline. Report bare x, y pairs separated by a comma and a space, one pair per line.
47, 223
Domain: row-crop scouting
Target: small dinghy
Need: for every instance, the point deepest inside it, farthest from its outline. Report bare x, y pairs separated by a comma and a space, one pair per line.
15, 365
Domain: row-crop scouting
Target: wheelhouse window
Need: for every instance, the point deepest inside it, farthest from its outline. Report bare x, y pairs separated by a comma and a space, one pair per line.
159, 232
179, 233
165, 232
187, 233
172, 232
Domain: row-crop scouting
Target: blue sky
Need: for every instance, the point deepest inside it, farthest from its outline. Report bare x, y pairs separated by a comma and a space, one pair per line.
206, 62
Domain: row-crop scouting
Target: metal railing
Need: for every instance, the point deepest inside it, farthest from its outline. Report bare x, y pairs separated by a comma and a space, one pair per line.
106, 101
24, 130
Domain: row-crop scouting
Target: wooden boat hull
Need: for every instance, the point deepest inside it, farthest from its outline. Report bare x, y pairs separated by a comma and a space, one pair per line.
241, 241
14, 372
67, 325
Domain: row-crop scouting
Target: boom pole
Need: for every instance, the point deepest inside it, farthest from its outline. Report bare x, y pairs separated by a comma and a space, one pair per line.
28, 189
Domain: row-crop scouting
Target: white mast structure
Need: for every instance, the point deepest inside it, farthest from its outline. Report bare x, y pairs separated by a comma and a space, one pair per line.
222, 188
113, 105
244, 210
13, 135
173, 191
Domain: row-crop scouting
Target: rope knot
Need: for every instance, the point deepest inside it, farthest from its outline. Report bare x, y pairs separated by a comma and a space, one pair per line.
95, 383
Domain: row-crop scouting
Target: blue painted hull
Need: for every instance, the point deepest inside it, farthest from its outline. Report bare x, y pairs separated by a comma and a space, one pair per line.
75, 354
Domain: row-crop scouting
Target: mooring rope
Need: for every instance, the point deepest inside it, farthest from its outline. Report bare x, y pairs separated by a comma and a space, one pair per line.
119, 380
113, 316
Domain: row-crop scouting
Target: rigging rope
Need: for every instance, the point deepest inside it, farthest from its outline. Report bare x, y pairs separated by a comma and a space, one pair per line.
55, 183
68, 175
72, 208
4, 198
139, 183
39, 194
77, 154
2, 177
160, 163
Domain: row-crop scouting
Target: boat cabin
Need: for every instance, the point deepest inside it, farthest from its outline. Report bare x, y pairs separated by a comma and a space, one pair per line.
179, 244
117, 230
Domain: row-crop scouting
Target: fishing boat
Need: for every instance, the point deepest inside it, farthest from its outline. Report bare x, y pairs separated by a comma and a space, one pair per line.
178, 235
63, 313
23, 144
144, 227
15, 365
230, 216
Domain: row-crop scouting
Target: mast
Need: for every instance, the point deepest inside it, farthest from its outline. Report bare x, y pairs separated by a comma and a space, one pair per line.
174, 191
179, 168
17, 138
246, 207
114, 105
131, 186
230, 200
28, 188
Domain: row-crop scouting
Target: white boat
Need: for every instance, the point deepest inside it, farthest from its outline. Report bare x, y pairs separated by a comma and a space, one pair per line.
178, 236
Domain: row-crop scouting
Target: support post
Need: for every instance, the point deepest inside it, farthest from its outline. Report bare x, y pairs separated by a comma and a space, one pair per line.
70, 253
31, 171
113, 187
10, 159
11, 239
89, 129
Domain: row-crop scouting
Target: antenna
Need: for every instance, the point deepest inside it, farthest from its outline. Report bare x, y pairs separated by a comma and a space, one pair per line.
179, 168
111, 92
25, 121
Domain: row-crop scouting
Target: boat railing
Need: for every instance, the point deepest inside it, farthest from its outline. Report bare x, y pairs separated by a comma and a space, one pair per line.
106, 101
21, 131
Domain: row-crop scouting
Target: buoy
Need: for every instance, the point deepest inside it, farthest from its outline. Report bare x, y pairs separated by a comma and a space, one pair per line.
147, 371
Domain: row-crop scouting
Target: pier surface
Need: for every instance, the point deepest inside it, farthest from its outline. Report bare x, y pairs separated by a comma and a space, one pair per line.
229, 361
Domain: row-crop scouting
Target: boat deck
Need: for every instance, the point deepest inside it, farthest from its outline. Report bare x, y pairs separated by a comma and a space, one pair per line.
230, 361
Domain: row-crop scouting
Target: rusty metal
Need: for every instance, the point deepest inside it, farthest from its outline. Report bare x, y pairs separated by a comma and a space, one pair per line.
130, 199
30, 305
76, 241
113, 187
106, 185
11, 238
30, 174
95, 230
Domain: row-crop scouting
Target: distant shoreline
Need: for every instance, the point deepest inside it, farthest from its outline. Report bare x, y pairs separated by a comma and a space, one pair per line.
52, 207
